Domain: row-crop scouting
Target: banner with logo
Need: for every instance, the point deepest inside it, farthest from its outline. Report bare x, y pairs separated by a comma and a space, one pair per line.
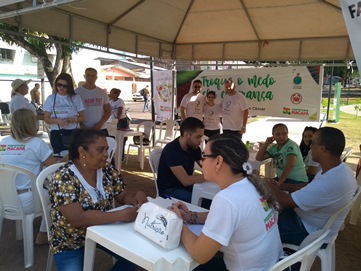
163, 94
289, 92
351, 10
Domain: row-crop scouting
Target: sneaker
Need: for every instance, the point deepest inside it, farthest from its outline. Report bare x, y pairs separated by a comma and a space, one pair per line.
41, 238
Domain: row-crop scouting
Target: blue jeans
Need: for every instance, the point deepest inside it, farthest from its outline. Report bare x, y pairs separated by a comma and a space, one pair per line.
73, 260
56, 140
146, 103
291, 227
233, 132
178, 193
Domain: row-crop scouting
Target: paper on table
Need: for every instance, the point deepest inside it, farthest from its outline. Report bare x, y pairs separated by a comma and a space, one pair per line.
165, 203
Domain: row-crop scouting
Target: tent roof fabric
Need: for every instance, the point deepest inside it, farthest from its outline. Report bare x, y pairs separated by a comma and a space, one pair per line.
248, 30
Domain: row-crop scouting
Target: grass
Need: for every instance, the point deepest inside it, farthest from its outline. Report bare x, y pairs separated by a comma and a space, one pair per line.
349, 124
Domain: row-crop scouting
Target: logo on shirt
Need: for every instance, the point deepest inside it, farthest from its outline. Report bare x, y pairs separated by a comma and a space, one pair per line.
12, 149
93, 102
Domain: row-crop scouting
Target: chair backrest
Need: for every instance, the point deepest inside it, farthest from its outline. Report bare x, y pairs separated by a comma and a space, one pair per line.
148, 128
154, 158
112, 146
47, 173
346, 153
9, 200
171, 128
305, 255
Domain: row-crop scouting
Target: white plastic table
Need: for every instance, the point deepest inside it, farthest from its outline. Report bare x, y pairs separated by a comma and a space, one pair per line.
122, 239
119, 137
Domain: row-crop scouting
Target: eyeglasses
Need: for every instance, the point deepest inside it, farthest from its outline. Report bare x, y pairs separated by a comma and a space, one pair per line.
204, 156
197, 86
59, 85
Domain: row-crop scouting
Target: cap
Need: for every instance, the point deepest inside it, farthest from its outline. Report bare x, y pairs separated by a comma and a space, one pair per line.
17, 83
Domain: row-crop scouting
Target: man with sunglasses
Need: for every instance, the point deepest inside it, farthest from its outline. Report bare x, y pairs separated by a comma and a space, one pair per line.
234, 110
176, 165
96, 102
193, 102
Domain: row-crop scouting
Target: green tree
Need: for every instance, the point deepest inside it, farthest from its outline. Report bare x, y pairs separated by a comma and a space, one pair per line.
38, 44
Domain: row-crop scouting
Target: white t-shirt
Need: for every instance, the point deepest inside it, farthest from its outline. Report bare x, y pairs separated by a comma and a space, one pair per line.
29, 155
309, 162
193, 103
93, 100
19, 101
212, 116
242, 222
326, 194
232, 111
114, 106
64, 107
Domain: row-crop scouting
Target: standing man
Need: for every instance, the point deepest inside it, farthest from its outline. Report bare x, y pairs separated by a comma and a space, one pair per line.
35, 94
308, 208
96, 102
234, 110
193, 102
176, 164
146, 96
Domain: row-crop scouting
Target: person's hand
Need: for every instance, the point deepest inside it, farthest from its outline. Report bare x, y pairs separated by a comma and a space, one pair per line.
61, 122
269, 140
139, 198
181, 210
129, 214
243, 130
97, 126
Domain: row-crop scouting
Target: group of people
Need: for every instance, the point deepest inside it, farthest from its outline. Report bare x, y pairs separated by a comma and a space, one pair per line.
84, 188
231, 114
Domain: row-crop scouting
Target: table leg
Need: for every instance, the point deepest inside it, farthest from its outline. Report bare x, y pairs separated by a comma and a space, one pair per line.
141, 153
119, 153
89, 254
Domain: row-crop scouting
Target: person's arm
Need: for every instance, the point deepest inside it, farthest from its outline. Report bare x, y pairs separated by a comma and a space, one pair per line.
49, 120
290, 163
183, 112
77, 119
262, 154
282, 197
244, 121
107, 111
184, 178
135, 198
119, 113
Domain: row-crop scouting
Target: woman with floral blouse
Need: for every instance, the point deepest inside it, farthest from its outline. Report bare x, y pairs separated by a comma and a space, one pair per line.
80, 193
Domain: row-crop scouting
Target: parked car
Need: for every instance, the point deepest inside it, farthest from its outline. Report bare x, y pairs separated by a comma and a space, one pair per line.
137, 97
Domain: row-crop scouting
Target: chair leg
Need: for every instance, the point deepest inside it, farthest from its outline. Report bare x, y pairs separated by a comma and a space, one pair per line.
126, 160
28, 236
49, 263
327, 257
19, 229
355, 211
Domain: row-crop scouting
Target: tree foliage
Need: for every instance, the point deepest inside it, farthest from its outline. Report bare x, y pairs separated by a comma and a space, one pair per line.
38, 44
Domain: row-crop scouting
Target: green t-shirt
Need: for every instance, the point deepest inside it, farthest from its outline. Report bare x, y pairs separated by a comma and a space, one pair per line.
279, 157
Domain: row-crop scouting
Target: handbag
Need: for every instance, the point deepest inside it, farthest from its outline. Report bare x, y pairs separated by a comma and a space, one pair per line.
160, 225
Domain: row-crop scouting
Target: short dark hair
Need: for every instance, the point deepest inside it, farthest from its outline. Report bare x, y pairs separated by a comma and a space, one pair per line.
190, 125
333, 139
91, 69
211, 92
197, 81
117, 91
279, 125
83, 137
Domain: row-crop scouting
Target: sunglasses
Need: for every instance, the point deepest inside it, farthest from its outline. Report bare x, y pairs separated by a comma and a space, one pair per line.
59, 85
197, 86
205, 156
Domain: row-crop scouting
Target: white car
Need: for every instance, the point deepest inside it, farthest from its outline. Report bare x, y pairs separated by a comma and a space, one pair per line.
137, 97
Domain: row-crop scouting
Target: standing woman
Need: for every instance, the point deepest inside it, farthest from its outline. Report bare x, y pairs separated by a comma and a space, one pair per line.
64, 111
212, 115
241, 221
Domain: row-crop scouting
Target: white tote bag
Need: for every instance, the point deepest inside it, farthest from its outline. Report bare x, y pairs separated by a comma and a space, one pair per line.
160, 225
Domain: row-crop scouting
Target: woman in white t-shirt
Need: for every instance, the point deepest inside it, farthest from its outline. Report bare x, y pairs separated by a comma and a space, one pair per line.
33, 154
241, 221
212, 115
64, 111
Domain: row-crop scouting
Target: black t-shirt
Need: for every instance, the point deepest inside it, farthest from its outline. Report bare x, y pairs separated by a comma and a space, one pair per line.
174, 155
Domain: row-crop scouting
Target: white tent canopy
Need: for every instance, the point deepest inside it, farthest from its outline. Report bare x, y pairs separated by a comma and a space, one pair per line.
249, 30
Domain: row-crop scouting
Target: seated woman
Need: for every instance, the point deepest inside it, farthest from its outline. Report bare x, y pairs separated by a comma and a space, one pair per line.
33, 157
241, 221
80, 194
286, 155
312, 167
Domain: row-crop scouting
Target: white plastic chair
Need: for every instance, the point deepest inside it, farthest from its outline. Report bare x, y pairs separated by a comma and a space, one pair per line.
346, 153
328, 254
171, 128
112, 146
154, 158
12, 209
45, 203
148, 128
306, 254
355, 210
